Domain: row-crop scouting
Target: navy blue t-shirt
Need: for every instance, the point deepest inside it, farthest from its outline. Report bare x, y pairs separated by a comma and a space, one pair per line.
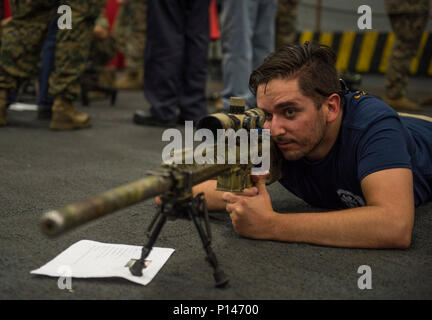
372, 137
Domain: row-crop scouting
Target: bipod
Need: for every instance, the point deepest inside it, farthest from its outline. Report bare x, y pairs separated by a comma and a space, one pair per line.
174, 206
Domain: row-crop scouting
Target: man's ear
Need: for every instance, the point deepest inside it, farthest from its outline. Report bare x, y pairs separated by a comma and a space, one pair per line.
333, 107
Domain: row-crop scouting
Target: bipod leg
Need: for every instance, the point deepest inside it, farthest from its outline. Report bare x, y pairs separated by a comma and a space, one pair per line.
193, 210
137, 266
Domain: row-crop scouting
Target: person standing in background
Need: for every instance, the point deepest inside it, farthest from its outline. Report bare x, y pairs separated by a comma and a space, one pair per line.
176, 62
248, 36
408, 20
22, 42
102, 51
130, 35
286, 22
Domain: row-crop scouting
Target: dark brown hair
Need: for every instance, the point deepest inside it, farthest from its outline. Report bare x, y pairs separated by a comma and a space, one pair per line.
311, 63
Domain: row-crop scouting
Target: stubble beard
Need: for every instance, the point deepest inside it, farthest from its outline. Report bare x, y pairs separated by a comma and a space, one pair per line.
310, 145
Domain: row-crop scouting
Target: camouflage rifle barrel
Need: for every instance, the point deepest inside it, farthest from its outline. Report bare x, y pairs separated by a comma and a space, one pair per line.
58, 221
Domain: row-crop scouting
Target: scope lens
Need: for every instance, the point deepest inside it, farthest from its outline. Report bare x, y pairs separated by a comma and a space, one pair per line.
211, 123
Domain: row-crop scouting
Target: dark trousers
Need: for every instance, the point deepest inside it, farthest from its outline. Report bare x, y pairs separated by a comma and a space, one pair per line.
176, 58
47, 65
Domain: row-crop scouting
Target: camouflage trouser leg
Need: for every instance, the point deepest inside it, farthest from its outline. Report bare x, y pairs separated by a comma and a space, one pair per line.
130, 32
73, 48
408, 29
286, 22
134, 50
22, 40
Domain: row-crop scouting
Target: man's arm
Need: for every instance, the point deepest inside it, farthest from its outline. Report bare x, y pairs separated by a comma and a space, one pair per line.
213, 197
385, 222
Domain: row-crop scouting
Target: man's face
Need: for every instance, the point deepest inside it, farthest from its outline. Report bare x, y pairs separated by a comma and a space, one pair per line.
295, 123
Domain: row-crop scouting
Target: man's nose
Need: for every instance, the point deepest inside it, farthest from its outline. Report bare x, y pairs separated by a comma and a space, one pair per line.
275, 126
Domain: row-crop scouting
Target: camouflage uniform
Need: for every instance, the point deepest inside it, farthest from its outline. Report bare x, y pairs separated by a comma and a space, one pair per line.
23, 39
130, 32
286, 22
408, 19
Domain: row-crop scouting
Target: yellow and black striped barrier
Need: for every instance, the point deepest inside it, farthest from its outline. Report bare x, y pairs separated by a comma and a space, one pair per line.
368, 52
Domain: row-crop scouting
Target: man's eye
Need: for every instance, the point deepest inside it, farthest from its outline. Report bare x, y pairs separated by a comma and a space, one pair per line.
268, 116
289, 113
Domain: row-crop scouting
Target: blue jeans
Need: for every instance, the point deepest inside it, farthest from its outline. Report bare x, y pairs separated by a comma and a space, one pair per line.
248, 36
47, 65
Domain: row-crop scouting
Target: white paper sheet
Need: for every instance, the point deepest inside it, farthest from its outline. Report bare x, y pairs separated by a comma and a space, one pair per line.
19, 106
91, 259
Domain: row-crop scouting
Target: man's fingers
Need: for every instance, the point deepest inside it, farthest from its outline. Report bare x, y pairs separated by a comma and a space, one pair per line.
250, 192
234, 208
158, 201
226, 196
260, 182
229, 208
230, 197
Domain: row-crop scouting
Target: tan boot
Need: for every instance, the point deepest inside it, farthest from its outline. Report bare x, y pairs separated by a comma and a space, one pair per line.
132, 80
66, 117
402, 104
3, 107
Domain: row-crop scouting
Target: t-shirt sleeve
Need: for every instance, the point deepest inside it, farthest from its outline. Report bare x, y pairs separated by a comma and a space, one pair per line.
383, 146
